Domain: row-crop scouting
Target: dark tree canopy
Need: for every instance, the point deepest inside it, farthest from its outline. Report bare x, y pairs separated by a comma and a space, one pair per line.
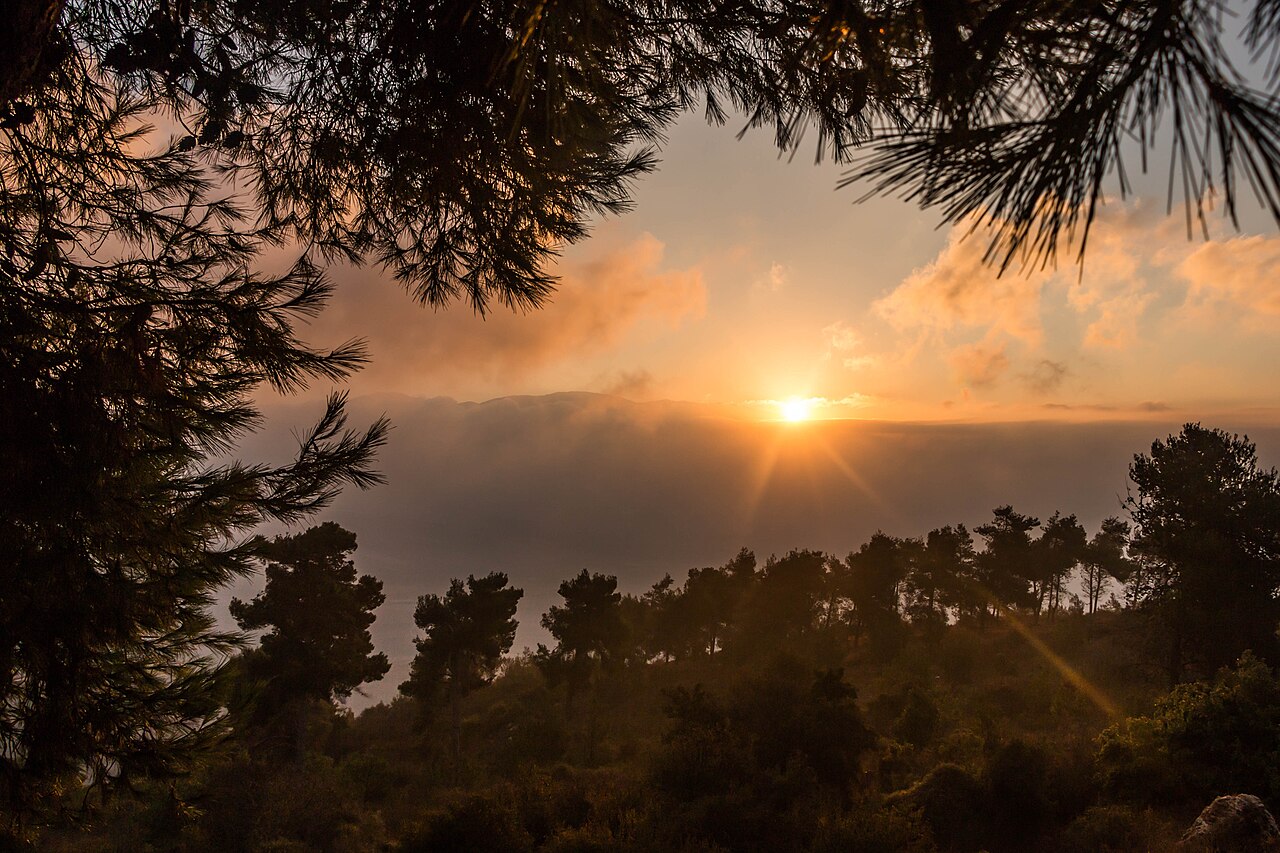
465, 634
942, 575
1058, 550
134, 331
1105, 559
785, 600
1207, 546
872, 580
1007, 566
588, 629
461, 142
316, 613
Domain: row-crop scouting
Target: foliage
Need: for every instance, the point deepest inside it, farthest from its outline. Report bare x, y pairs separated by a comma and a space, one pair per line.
756, 748
872, 580
486, 135
318, 612
134, 332
870, 830
476, 825
1058, 550
1207, 545
941, 577
588, 630
953, 804
1017, 784
1007, 565
466, 633
1202, 740
1105, 559
1108, 829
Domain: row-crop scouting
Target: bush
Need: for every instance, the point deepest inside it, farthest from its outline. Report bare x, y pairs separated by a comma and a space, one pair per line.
886, 830
953, 804
1201, 741
1017, 784
918, 722
477, 825
1105, 829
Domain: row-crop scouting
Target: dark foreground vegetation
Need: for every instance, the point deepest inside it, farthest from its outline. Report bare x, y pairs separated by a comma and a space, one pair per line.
1009, 691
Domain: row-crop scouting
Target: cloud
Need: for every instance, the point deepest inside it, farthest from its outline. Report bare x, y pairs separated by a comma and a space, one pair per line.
960, 289
777, 279
843, 342
979, 365
542, 487
1113, 289
1046, 376
605, 293
632, 384
1236, 276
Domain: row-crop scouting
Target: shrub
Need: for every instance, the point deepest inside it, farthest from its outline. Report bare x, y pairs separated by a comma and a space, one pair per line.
477, 825
1105, 829
953, 804
1201, 740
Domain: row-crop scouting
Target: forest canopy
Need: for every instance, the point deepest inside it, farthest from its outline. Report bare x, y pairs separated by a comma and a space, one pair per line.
946, 692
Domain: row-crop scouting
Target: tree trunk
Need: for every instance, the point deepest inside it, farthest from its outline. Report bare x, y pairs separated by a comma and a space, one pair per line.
1175, 643
455, 713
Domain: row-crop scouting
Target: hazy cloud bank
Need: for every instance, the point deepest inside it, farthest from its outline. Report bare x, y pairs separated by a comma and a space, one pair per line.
603, 295
542, 487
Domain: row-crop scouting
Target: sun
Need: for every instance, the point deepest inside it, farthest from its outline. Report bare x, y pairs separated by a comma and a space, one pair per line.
796, 409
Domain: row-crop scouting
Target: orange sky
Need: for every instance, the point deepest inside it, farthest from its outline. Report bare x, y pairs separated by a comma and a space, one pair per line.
742, 278
739, 281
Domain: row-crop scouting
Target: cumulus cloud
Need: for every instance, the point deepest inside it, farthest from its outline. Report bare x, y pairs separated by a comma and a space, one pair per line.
844, 343
1112, 289
979, 365
1137, 265
960, 289
604, 294
1234, 276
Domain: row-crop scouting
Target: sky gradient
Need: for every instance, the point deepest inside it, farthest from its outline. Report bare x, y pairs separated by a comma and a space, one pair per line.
632, 426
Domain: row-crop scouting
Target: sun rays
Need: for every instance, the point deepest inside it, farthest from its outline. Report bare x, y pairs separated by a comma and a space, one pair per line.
796, 409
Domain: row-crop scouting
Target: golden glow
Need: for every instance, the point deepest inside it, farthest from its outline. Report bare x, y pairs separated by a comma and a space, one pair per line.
796, 409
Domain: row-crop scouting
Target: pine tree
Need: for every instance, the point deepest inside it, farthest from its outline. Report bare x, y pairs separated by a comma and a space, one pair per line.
1207, 548
135, 330
460, 143
465, 634
317, 612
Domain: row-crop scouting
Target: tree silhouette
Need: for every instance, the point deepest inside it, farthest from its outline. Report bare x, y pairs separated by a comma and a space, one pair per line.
446, 142
1007, 564
1057, 551
135, 332
873, 578
317, 611
785, 602
941, 578
710, 601
465, 634
590, 635
1105, 560
1207, 546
